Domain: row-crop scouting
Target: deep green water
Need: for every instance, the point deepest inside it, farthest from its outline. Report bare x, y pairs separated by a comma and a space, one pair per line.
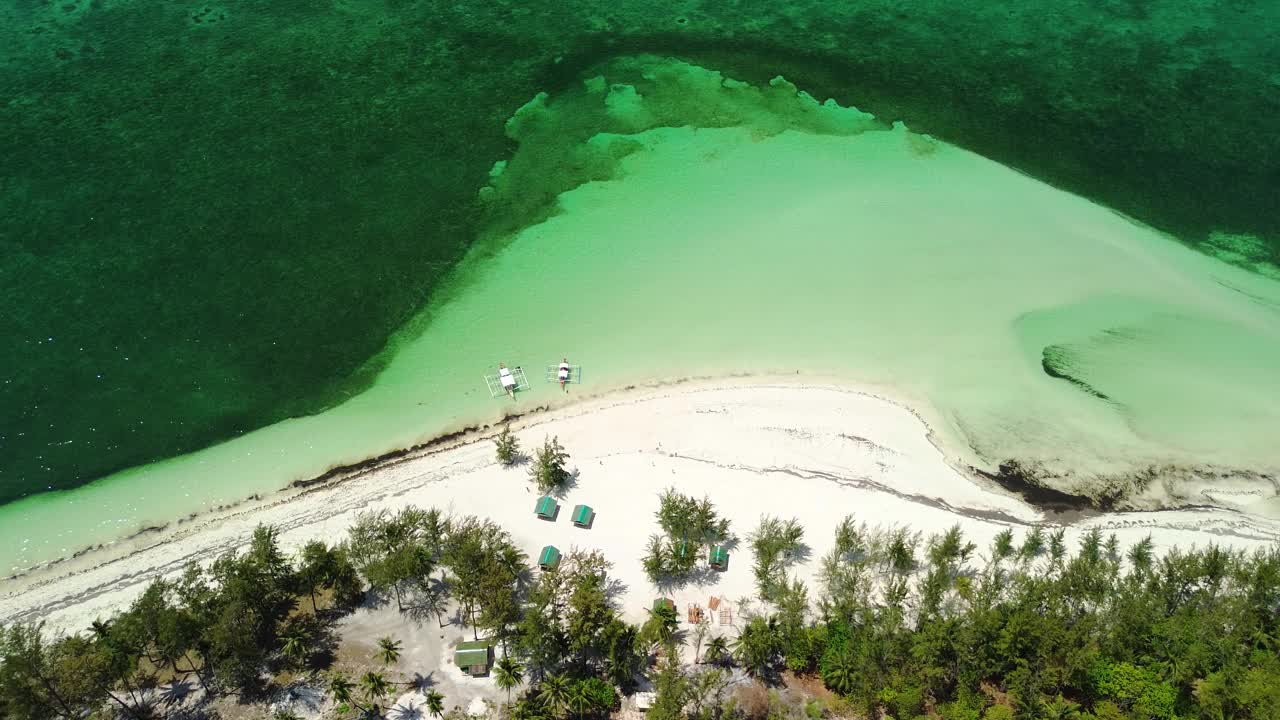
213, 215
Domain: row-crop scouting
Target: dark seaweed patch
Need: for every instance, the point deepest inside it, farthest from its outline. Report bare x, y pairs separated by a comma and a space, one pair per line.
1055, 360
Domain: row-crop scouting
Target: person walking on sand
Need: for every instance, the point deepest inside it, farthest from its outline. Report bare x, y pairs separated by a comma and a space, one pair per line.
563, 374
508, 380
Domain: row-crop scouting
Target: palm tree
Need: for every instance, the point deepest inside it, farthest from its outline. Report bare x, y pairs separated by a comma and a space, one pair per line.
717, 649
100, 628
435, 704
340, 688
375, 686
388, 650
555, 695
661, 626
513, 561
757, 646
507, 674
580, 698
1061, 709
841, 673
294, 645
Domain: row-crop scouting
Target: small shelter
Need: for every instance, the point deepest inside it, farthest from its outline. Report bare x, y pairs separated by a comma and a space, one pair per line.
546, 508
719, 557
472, 657
664, 602
549, 558
645, 700
583, 516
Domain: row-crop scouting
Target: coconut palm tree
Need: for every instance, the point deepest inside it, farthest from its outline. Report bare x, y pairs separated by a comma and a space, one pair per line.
513, 561
340, 689
717, 649
435, 704
555, 695
508, 674
660, 628
100, 628
388, 650
758, 645
294, 645
1061, 709
580, 698
841, 673
375, 686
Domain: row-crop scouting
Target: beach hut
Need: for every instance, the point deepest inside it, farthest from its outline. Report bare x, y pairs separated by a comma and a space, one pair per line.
664, 603
472, 657
546, 507
719, 557
549, 557
583, 515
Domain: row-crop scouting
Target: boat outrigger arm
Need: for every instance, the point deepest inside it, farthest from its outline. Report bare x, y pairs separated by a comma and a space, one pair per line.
552, 374
494, 383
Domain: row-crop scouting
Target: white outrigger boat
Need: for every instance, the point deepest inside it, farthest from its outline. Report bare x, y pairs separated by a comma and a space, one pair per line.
507, 381
552, 374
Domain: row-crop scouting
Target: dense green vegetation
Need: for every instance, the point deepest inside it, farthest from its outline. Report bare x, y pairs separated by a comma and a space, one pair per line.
899, 626
689, 527
913, 627
216, 215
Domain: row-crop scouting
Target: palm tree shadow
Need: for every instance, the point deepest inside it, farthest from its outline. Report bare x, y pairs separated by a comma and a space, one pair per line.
403, 712
422, 683
176, 693
699, 575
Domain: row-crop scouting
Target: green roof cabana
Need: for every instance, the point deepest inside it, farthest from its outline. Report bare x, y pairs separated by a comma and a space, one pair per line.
583, 515
549, 557
472, 657
682, 548
664, 602
546, 507
719, 557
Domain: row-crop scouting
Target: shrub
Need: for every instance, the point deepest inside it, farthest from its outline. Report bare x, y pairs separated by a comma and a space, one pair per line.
508, 447
548, 471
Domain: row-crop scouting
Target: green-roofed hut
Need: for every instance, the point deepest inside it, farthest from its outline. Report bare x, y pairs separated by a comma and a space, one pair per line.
472, 657
549, 557
664, 602
719, 557
546, 507
583, 516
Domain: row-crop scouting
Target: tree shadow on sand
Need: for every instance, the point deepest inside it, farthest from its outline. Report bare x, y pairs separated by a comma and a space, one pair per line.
699, 575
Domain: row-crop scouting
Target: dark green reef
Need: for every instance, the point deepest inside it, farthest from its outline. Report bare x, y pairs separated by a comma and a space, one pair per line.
215, 215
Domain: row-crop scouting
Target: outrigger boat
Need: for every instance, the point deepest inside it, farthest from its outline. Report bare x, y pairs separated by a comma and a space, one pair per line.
552, 374
507, 381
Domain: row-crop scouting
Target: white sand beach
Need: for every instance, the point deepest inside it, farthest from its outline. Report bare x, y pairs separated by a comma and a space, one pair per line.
817, 452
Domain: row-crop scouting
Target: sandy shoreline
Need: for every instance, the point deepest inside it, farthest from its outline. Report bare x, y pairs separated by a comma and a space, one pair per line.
754, 445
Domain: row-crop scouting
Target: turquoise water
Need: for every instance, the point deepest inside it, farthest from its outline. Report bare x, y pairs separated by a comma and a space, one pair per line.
727, 227
215, 214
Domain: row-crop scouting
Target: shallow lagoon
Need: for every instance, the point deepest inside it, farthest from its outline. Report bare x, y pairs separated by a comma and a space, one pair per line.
850, 250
